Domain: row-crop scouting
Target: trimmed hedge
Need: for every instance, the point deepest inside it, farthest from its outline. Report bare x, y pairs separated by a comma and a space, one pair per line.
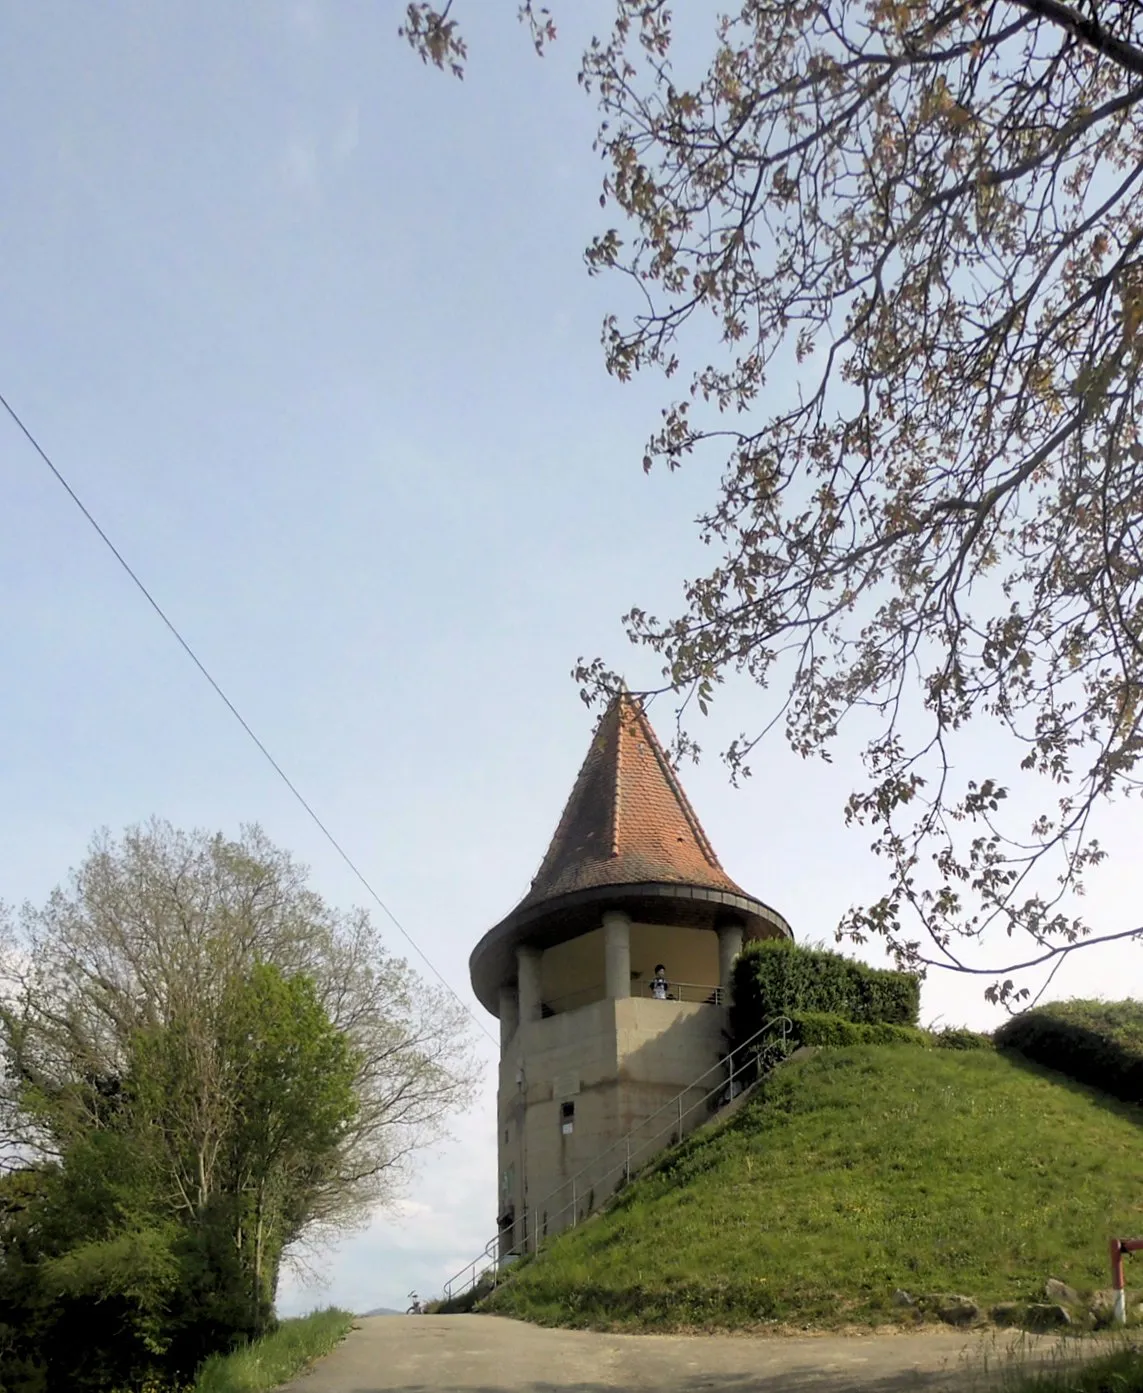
776, 977
958, 1038
1099, 1043
821, 1028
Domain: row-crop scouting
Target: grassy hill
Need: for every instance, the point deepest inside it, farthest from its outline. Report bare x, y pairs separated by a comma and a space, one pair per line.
857, 1171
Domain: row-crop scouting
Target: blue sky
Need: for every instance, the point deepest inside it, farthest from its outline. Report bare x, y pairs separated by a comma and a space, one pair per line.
307, 327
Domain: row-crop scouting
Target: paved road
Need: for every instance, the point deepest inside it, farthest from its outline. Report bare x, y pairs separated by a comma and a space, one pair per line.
487, 1354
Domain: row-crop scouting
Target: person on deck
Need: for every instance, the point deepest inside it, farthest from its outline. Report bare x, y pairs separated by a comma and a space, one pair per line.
659, 983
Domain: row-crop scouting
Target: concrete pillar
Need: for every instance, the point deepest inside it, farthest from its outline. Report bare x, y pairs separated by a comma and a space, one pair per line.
528, 977
617, 954
509, 1015
729, 947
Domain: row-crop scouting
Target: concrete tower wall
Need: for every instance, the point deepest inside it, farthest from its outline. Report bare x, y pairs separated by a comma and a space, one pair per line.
573, 1084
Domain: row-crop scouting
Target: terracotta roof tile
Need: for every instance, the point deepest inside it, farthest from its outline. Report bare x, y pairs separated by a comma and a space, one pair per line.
628, 820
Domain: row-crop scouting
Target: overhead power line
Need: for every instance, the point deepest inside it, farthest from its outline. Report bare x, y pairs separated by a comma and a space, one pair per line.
234, 711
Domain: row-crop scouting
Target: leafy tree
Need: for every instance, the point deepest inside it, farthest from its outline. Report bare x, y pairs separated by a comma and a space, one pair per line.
926, 214
436, 36
114, 1275
88, 1267
206, 1063
22, 1318
155, 932
293, 1076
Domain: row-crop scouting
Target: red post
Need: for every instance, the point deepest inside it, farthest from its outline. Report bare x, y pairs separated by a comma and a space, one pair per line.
1118, 1247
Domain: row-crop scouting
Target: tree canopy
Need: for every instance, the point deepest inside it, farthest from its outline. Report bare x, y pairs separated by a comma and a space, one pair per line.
889, 256
203, 1065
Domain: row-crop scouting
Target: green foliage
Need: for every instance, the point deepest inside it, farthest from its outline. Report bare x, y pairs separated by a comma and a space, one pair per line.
266, 1363
126, 1280
138, 1265
293, 1068
854, 1172
1095, 1042
958, 1038
207, 1060
821, 1028
776, 977
22, 1321
88, 1267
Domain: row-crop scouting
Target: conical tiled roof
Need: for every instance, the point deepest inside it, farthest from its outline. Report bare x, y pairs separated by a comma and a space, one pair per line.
628, 839
628, 820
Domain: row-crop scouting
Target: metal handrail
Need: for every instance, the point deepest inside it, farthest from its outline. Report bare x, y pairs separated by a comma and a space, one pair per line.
700, 992
705, 995
490, 1255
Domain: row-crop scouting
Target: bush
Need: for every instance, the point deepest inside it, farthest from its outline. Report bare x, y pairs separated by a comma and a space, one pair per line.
957, 1038
826, 1028
822, 1028
1099, 1043
776, 977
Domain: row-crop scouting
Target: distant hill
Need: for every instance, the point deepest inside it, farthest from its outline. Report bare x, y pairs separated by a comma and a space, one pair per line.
856, 1173
382, 1311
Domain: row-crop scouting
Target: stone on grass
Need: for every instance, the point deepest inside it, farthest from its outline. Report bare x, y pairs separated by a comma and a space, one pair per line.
1007, 1313
902, 1298
1045, 1315
952, 1308
1059, 1293
1102, 1304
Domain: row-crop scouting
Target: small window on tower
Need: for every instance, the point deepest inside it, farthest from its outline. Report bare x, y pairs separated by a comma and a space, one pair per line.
567, 1118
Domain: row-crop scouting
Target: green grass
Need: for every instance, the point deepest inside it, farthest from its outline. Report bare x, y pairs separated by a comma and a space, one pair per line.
274, 1360
857, 1171
1118, 1371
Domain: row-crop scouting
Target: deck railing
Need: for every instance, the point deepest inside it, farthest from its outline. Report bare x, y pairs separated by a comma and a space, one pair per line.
676, 991
683, 991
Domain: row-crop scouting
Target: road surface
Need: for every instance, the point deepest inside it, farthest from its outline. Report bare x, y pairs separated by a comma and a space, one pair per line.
488, 1354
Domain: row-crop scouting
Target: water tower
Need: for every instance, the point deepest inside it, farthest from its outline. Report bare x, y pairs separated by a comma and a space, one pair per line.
588, 1049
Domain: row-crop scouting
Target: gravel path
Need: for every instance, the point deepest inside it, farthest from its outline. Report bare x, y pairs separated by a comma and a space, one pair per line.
431, 1354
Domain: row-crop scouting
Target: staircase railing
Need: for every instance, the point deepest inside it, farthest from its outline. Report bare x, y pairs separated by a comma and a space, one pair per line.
740, 1061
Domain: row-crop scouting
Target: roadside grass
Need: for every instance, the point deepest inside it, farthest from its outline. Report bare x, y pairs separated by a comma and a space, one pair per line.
1070, 1368
1121, 1372
856, 1172
265, 1364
